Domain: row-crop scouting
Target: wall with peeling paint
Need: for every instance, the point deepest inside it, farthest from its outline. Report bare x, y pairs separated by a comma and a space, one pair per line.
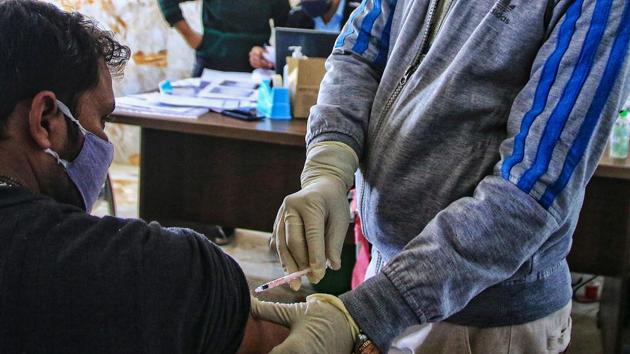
158, 52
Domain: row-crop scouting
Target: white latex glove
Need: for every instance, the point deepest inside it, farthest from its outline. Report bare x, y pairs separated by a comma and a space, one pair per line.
322, 324
311, 224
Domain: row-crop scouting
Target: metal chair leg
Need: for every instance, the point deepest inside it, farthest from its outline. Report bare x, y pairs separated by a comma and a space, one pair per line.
108, 194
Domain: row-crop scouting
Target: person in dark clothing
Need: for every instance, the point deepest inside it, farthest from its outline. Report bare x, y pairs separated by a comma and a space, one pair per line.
321, 15
230, 29
318, 14
71, 282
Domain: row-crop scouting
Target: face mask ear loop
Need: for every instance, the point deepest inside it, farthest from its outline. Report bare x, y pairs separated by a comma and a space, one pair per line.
60, 161
66, 112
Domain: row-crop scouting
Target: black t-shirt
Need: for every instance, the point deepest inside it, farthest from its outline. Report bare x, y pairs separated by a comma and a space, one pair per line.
75, 283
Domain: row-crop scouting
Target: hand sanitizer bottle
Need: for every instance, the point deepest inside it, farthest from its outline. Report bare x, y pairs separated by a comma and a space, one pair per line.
620, 136
296, 53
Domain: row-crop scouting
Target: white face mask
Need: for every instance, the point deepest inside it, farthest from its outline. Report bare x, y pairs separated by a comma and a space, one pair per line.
88, 170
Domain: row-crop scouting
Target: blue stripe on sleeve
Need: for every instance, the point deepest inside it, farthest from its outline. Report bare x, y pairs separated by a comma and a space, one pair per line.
365, 31
613, 66
350, 25
560, 114
383, 44
547, 78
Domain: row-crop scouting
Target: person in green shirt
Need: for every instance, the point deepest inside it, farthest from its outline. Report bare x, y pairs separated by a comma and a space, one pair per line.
230, 29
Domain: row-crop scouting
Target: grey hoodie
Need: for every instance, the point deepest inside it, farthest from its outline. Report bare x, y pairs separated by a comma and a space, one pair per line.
475, 150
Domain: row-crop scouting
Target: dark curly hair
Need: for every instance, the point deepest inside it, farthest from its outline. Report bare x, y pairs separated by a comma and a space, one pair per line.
45, 48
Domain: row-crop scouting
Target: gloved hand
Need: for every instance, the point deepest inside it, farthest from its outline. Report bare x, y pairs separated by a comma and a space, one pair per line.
311, 224
322, 324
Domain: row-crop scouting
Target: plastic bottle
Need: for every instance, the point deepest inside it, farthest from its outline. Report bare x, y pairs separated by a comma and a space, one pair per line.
620, 136
297, 53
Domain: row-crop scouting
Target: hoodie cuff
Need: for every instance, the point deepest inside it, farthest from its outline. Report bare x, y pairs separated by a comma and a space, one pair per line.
380, 310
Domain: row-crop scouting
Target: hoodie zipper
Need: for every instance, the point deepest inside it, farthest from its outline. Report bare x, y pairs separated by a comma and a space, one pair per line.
410, 69
419, 57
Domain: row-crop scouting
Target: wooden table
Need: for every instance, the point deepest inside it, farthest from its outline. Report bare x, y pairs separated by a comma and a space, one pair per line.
601, 245
218, 170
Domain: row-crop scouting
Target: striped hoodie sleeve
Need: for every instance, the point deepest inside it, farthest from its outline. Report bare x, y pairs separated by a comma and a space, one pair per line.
557, 130
560, 123
360, 52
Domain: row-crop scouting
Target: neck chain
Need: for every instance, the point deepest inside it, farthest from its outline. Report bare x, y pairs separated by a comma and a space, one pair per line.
6, 181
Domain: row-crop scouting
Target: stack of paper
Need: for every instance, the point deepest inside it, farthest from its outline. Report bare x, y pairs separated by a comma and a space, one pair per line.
191, 98
149, 105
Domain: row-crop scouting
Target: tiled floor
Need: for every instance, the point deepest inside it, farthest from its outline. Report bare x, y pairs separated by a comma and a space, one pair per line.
260, 264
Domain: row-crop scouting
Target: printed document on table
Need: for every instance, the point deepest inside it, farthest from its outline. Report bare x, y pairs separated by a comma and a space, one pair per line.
191, 98
230, 85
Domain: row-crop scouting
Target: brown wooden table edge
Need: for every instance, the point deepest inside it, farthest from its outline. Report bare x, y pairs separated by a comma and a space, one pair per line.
290, 133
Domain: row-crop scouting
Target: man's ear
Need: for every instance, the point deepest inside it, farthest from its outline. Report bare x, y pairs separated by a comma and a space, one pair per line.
45, 119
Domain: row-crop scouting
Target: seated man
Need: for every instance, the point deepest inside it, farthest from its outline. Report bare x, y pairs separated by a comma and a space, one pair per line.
72, 282
320, 15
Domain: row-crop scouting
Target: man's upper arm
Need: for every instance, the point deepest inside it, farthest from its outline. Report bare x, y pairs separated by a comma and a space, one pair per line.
557, 130
196, 298
353, 74
560, 123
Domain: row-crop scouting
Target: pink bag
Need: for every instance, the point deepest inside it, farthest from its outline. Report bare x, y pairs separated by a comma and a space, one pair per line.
363, 247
